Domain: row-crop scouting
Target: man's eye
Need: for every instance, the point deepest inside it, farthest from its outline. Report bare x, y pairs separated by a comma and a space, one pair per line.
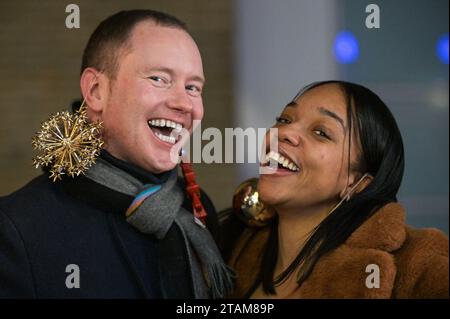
159, 81
156, 78
194, 90
282, 120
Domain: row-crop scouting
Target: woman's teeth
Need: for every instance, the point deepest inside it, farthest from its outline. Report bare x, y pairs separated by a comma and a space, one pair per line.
283, 161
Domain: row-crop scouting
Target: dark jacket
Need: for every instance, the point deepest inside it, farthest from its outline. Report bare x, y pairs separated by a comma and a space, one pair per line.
413, 263
46, 226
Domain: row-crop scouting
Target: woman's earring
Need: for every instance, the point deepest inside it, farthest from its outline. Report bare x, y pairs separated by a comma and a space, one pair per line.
248, 207
67, 143
347, 197
350, 192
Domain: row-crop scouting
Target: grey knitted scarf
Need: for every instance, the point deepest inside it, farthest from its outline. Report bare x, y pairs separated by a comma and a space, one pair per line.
210, 275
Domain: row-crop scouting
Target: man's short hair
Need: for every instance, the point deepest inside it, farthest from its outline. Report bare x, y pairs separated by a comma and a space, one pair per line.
112, 37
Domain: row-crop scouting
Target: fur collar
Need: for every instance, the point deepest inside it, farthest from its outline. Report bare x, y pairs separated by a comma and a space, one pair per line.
384, 230
343, 272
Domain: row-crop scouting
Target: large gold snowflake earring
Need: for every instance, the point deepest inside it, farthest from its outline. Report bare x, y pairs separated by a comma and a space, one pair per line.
67, 143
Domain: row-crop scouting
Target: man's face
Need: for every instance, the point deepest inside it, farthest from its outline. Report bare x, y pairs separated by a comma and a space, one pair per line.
157, 86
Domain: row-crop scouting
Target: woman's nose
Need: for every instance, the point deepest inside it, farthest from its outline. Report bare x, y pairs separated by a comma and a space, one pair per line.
288, 134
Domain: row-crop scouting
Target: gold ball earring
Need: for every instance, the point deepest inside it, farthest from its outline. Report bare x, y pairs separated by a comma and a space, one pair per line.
248, 206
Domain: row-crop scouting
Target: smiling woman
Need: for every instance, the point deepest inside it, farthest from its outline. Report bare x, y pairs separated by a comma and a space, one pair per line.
341, 163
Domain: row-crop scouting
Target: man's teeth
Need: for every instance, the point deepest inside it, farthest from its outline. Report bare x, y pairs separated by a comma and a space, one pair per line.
176, 128
165, 123
285, 162
165, 138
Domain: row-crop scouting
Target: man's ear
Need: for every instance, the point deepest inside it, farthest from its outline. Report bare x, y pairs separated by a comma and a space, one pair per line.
358, 185
95, 89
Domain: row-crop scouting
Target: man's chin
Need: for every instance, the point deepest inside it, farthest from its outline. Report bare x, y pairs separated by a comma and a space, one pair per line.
160, 167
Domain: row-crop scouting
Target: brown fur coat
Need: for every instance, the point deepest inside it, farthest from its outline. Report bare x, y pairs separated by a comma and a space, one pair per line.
413, 263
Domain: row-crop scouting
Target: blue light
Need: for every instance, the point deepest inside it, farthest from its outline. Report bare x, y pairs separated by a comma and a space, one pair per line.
346, 48
442, 48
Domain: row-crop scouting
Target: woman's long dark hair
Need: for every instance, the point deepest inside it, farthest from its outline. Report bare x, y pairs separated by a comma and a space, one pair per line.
382, 156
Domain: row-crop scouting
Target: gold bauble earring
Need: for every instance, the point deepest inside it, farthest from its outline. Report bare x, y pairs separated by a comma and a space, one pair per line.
248, 206
67, 143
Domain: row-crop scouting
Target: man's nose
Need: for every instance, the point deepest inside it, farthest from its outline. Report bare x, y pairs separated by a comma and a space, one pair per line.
179, 100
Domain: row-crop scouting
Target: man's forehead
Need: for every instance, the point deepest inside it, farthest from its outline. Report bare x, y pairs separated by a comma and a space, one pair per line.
152, 36
146, 26
150, 28
134, 37
154, 47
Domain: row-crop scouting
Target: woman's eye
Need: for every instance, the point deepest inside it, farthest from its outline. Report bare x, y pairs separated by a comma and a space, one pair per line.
321, 134
282, 120
194, 90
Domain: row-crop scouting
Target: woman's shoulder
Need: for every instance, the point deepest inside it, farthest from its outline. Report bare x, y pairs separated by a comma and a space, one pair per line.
237, 235
420, 255
428, 241
387, 230
245, 257
423, 264
250, 243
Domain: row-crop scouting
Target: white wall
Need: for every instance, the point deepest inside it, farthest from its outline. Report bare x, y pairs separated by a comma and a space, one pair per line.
279, 47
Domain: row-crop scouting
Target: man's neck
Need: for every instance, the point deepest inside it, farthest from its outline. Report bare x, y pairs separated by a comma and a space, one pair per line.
137, 172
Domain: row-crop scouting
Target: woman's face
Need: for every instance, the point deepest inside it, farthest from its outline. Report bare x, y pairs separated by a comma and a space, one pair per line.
313, 135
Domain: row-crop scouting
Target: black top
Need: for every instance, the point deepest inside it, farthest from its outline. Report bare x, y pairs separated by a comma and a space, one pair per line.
46, 226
